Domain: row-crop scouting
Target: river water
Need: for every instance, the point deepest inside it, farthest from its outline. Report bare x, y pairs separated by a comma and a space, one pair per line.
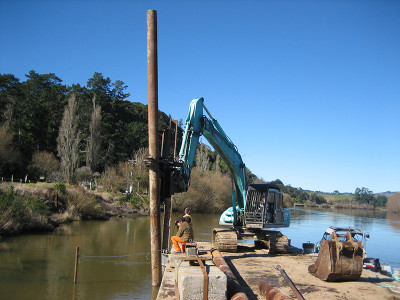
115, 259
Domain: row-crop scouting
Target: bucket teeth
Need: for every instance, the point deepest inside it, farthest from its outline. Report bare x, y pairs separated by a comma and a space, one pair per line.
338, 261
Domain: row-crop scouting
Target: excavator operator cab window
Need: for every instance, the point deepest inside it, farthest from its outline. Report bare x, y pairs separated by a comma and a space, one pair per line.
279, 201
274, 206
271, 204
271, 197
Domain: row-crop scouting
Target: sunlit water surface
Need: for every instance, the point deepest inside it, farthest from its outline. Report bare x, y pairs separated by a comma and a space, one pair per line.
115, 259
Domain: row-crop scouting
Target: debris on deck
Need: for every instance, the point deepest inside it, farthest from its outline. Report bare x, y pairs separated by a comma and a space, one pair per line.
251, 266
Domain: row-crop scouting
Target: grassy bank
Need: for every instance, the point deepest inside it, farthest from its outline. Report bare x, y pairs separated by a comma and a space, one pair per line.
43, 206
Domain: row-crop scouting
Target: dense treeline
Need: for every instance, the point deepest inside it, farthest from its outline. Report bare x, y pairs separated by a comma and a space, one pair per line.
31, 113
80, 133
362, 197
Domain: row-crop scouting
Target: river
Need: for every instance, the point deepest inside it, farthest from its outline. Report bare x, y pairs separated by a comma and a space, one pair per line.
115, 263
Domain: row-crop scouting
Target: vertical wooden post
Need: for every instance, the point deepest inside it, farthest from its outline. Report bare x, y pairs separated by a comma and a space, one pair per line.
166, 184
154, 185
176, 136
167, 222
76, 264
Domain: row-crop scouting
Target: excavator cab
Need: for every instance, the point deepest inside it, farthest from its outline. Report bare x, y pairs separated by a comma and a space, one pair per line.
339, 260
264, 207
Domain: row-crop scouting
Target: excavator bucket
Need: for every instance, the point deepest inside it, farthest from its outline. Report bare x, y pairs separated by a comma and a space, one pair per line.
338, 261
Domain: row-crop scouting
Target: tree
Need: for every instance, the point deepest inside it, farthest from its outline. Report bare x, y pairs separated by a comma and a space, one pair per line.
45, 163
68, 140
202, 160
140, 156
84, 174
380, 201
314, 197
10, 90
217, 164
94, 139
41, 112
8, 155
114, 119
363, 195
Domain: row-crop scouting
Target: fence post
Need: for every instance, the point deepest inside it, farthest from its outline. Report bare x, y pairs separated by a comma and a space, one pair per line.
76, 264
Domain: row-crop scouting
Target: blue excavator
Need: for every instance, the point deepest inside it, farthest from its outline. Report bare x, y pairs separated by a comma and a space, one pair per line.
256, 208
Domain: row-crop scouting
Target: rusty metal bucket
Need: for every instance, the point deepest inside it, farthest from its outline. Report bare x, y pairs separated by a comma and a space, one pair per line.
338, 261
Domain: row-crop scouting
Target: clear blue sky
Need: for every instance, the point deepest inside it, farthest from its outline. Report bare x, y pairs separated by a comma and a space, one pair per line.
309, 91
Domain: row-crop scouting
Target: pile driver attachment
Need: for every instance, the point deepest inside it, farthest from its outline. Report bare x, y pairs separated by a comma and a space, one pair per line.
338, 261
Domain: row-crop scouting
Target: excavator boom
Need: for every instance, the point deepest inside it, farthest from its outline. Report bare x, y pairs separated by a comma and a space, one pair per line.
254, 209
198, 124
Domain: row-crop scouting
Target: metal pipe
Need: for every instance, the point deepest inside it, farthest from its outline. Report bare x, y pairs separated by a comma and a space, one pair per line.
205, 108
271, 291
235, 291
152, 81
291, 284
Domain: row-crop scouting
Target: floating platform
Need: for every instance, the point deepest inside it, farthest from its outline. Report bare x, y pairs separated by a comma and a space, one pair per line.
250, 266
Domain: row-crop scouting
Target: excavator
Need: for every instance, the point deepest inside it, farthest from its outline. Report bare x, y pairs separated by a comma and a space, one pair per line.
256, 208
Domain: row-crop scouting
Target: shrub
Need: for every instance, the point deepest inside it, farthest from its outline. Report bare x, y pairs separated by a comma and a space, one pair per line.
61, 187
83, 204
83, 174
120, 178
393, 204
111, 181
38, 206
209, 192
19, 213
309, 203
131, 198
45, 164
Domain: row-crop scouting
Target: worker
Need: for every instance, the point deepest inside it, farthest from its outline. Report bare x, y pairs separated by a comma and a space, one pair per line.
183, 236
186, 213
262, 205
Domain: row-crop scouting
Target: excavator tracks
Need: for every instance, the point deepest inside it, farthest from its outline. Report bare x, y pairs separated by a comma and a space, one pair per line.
274, 241
279, 243
225, 239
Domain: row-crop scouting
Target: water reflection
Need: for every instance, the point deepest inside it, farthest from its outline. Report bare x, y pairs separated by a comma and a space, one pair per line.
310, 224
44, 263
393, 220
41, 266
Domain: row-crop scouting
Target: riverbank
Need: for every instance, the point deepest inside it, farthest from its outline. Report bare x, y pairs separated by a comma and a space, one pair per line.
44, 206
338, 205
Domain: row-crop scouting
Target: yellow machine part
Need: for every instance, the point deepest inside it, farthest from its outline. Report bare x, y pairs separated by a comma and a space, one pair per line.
338, 261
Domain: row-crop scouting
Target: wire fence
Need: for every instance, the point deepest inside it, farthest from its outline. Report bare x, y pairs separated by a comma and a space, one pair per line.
79, 256
122, 256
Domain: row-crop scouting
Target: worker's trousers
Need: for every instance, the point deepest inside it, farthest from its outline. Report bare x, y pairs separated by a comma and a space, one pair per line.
176, 240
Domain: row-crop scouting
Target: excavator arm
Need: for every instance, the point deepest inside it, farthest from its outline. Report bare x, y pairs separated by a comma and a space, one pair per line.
255, 209
198, 124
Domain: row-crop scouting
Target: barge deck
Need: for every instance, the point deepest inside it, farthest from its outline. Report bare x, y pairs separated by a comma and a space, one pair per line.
251, 265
